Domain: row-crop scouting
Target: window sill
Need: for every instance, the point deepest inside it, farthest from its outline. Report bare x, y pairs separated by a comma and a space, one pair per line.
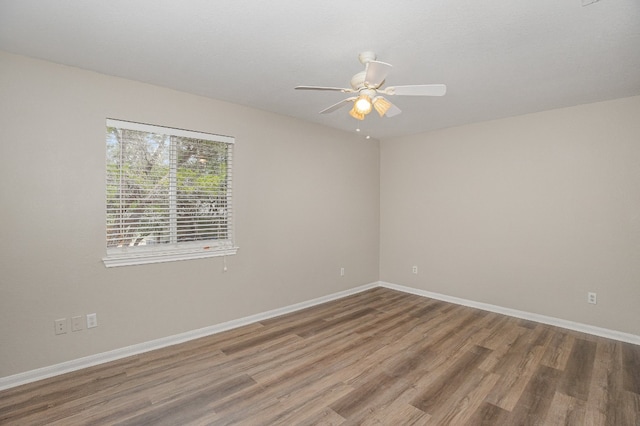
130, 259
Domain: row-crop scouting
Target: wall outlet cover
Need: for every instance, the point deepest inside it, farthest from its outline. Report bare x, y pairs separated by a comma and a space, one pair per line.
76, 323
92, 320
60, 326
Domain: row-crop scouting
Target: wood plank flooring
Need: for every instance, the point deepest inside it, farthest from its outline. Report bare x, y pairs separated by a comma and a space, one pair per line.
377, 357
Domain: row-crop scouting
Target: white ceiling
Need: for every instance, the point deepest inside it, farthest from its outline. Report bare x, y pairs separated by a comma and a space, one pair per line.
498, 58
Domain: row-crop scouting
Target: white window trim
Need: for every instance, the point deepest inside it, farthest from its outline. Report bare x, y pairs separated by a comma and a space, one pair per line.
141, 255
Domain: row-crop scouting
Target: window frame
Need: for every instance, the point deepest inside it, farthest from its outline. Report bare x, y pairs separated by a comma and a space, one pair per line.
184, 250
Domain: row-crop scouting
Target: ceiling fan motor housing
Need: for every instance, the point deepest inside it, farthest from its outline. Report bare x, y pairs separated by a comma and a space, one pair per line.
357, 81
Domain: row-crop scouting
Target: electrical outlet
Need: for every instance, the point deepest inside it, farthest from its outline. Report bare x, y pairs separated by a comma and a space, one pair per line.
92, 320
414, 270
342, 272
60, 326
592, 298
76, 323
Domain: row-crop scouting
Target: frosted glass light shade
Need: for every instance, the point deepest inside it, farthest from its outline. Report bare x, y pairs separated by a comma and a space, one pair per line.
381, 105
363, 104
355, 114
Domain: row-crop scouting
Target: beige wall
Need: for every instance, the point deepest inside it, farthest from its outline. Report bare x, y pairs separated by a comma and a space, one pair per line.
307, 202
529, 213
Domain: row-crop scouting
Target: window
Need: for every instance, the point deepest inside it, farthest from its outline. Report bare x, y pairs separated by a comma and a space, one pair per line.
168, 194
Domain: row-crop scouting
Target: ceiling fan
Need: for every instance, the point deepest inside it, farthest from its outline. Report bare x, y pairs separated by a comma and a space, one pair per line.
367, 89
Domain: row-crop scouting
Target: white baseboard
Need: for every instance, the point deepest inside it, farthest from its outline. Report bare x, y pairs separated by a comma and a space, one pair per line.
576, 326
89, 361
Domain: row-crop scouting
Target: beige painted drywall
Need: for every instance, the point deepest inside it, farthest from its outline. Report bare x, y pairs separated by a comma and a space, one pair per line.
529, 213
306, 199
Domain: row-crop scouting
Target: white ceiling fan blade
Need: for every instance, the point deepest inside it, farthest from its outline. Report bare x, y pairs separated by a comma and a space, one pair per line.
338, 105
417, 90
335, 89
376, 72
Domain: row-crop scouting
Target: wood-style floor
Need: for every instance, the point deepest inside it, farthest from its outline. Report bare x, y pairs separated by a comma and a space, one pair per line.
377, 357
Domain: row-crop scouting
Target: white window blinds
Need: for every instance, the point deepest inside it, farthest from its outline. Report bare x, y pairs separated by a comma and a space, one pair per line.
169, 194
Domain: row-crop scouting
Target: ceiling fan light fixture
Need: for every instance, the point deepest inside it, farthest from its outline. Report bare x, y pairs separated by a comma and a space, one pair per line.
381, 105
363, 104
355, 114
